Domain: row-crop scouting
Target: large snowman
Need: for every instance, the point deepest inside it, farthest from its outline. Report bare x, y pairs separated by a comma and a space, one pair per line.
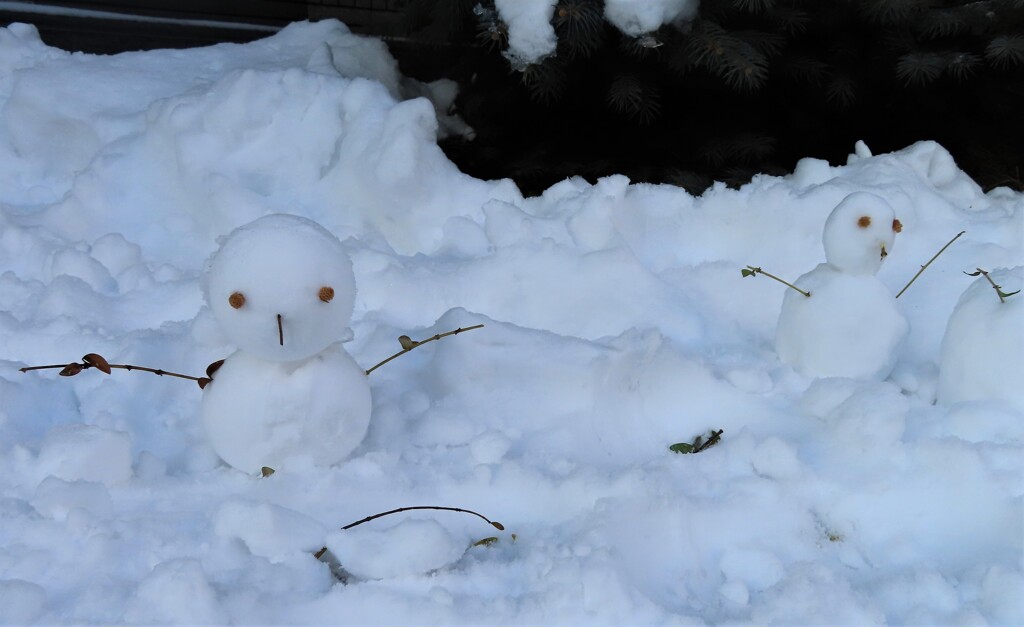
282, 289
850, 325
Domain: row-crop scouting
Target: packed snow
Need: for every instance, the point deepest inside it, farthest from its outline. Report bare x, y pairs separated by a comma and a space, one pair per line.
616, 323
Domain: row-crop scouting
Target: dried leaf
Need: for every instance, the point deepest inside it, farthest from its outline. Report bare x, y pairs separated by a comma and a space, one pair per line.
498, 526
747, 273
214, 367
978, 273
486, 541
203, 382
407, 342
266, 471
97, 362
681, 447
71, 370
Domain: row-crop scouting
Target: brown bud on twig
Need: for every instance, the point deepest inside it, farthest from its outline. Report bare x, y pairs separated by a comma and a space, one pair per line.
97, 362
71, 370
407, 342
203, 382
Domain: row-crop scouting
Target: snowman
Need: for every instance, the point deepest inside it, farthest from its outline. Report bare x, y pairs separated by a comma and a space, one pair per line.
282, 290
980, 359
849, 325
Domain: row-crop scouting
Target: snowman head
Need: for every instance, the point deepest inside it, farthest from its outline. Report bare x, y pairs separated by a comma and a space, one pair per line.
859, 233
281, 287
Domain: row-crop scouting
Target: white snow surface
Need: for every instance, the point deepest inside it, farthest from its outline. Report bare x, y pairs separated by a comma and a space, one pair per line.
617, 324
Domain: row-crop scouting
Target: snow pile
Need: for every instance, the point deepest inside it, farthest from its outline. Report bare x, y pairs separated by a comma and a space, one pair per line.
617, 323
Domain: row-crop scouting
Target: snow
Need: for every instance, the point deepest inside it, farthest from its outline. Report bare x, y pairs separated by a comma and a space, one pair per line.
531, 37
616, 324
637, 17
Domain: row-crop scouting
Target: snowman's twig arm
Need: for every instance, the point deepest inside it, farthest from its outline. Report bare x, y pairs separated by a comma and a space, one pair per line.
752, 270
998, 288
92, 360
408, 344
925, 266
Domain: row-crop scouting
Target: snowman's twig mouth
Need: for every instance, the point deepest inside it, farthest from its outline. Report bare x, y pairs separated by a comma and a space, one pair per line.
280, 330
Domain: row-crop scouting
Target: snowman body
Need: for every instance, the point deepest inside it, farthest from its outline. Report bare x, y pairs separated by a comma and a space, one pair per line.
282, 289
981, 356
268, 413
850, 325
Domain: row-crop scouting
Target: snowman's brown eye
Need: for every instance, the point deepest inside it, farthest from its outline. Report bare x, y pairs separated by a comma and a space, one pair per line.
236, 300
897, 226
864, 222
326, 293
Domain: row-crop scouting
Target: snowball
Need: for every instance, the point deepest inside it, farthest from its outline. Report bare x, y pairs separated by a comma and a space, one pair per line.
636, 17
268, 530
176, 592
56, 498
280, 266
266, 413
88, 453
412, 547
859, 233
21, 602
982, 355
850, 326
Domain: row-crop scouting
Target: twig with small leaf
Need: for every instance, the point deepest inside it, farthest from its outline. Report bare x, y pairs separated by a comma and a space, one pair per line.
92, 360
754, 270
925, 266
998, 288
699, 443
409, 344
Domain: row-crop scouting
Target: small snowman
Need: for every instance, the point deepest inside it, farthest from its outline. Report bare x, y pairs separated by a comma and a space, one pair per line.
849, 324
282, 289
984, 340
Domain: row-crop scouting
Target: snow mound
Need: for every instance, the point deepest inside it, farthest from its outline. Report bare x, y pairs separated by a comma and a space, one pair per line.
411, 548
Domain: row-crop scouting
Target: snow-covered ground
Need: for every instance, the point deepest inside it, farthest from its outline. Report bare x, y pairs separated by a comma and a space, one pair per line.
617, 323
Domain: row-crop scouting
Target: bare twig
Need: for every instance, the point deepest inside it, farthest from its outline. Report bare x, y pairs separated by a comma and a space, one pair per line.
752, 270
408, 344
495, 524
998, 288
711, 441
941, 250
92, 360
